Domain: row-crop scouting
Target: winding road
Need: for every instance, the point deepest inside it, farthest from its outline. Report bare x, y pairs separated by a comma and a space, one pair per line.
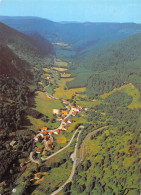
73, 168
60, 127
44, 159
75, 160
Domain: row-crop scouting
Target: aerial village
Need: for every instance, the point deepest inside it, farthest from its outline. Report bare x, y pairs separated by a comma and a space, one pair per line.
45, 136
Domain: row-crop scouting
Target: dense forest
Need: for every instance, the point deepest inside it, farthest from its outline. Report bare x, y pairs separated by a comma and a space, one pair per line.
111, 157
29, 48
108, 67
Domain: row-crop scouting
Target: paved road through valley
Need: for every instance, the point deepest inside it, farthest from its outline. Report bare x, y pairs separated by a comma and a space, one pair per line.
73, 168
44, 159
76, 162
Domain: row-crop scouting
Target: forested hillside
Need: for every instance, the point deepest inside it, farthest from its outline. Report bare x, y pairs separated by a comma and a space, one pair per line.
11, 65
44, 46
18, 55
27, 48
111, 158
108, 67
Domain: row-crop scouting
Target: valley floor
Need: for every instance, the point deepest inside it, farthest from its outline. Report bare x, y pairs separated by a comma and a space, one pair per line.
62, 144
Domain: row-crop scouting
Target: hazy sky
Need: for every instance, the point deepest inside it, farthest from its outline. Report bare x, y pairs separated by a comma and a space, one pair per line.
75, 10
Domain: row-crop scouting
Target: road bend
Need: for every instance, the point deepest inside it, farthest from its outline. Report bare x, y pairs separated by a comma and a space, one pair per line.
73, 168
44, 159
86, 138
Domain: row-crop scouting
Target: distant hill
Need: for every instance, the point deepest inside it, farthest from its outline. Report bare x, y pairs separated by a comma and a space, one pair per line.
26, 47
80, 36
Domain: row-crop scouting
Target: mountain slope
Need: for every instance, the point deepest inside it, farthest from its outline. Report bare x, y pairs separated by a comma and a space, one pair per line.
111, 66
24, 46
44, 46
12, 66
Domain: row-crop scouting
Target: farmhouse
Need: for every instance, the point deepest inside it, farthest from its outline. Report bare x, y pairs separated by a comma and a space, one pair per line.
21, 164
55, 111
37, 150
75, 109
79, 108
74, 113
68, 107
59, 119
64, 122
65, 102
46, 138
64, 112
56, 132
48, 77
13, 143
50, 133
49, 144
37, 176
64, 128
43, 128
45, 133
36, 139
69, 121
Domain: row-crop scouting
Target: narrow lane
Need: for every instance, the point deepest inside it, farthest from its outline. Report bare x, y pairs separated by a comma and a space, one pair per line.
86, 138
44, 159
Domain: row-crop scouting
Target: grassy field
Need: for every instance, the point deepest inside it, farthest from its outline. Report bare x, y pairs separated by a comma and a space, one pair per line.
68, 93
61, 139
89, 103
61, 63
65, 75
45, 104
40, 83
60, 69
38, 123
130, 90
53, 178
45, 69
45, 75
49, 89
81, 96
61, 44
